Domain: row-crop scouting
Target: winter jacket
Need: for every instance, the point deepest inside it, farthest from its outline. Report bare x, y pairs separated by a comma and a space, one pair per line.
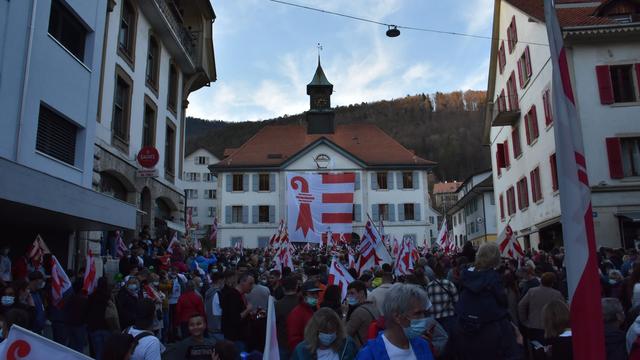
531, 305
347, 351
358, 324
213, 321
632, 333
283, 307
375, 349
482, 297
614, 343
296, 322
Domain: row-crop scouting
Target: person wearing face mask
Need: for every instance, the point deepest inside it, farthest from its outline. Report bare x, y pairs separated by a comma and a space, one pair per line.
127, 299
361, 312
302, 313
483, 325
405, 322
36, 284
150, 290
325, 339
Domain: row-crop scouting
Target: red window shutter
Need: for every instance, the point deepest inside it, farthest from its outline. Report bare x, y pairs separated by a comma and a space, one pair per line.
546, 99
615, 158
525, 193
533, 118
515, 31
501, 57
527, 130
527, 61
554, 172
519, 190
500, 200
515, 139
604, 84
500, 156
509, 32
505, 147
520, 75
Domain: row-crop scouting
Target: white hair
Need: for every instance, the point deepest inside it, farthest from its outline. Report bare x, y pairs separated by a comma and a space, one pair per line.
401, 297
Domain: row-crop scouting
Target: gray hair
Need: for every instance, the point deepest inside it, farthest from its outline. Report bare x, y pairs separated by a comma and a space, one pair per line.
488, 256
611, 308
400, 298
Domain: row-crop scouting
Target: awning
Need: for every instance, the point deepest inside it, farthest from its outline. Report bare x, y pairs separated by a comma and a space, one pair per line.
633, 216
176, 226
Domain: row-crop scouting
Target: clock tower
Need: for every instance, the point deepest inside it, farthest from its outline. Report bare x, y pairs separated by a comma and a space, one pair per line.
320, 117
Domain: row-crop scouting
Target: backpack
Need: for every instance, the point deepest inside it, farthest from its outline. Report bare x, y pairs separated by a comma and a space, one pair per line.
138, 337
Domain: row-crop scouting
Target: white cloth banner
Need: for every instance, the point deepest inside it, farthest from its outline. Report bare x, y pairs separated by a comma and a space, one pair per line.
318, 204
271, 351
22, 344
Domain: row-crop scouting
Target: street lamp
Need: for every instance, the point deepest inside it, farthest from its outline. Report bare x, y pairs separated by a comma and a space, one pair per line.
393, 31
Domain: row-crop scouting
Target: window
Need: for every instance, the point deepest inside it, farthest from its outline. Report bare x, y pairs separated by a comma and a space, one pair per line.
201, 160
153, 63
536, 188
127, 32
512, 35
546, 101
531, 125
501, 204
407, 180
554, 172
511, 201
263, 182
617, 83
432, 219
194, 210
383, 211
211, 211
236, 214
515, 139
524, 68
263, 213
630, 156
382, 180
56, 136
512, 93
191, 193
208, 177
65, 27
121, 110
454, 221
191, 176
170, 150
409, 213
502, 102
507, 160
149, 123
523, 194
172, 97
210, 194
238, 182
502, 59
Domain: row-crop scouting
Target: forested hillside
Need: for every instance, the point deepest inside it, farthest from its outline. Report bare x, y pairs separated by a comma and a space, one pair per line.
443, 127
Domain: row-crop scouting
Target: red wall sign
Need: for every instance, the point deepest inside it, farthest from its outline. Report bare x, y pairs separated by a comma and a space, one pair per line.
148, 157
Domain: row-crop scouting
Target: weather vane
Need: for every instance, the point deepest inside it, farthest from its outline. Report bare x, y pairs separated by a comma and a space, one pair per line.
319, 49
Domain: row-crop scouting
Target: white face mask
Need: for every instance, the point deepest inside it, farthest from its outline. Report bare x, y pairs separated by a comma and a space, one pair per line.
8, 300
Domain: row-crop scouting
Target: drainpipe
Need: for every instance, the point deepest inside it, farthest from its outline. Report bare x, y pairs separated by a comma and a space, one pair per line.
484, 217
25, 80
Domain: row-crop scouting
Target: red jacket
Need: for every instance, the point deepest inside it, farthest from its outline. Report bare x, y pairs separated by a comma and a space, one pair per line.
296, 322
188, 304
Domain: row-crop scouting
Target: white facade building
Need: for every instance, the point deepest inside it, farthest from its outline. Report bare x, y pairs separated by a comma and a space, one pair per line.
603, 61
473, 215
50, 66
157, 52
391, 182
200, 188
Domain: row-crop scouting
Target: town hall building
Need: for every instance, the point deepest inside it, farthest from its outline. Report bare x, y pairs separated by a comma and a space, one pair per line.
391, 181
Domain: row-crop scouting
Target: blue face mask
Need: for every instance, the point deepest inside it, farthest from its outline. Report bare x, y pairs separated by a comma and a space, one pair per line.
416, 328
352, 300
311, 301
326, 339
132, 287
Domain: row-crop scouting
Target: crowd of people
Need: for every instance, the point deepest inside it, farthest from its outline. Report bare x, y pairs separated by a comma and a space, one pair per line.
182, 303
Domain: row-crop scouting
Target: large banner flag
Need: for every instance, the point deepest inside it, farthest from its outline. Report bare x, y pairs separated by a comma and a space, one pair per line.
60, 282
443, 236
338, 275
271, 350
22, 344
318, 204
173, 243
404, 261
575, 205
509, 246
37, 250
90, 281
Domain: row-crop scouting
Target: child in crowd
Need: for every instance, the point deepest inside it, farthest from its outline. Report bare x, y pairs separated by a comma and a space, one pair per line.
196, 346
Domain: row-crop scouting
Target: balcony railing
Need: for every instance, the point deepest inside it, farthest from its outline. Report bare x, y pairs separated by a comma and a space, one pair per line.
187, 38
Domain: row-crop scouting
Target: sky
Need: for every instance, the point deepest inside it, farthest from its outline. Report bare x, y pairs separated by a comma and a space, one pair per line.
266, 54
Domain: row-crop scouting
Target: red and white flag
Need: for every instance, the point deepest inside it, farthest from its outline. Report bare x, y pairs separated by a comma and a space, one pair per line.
271, 350
23, 344
318, 203
213, 235
509, 246
60, 282
339, 276
575, 205
121, 248
90, 278
396, 247
37, 250
173, 243
369, 257
284, 256
404, 261
443, 236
